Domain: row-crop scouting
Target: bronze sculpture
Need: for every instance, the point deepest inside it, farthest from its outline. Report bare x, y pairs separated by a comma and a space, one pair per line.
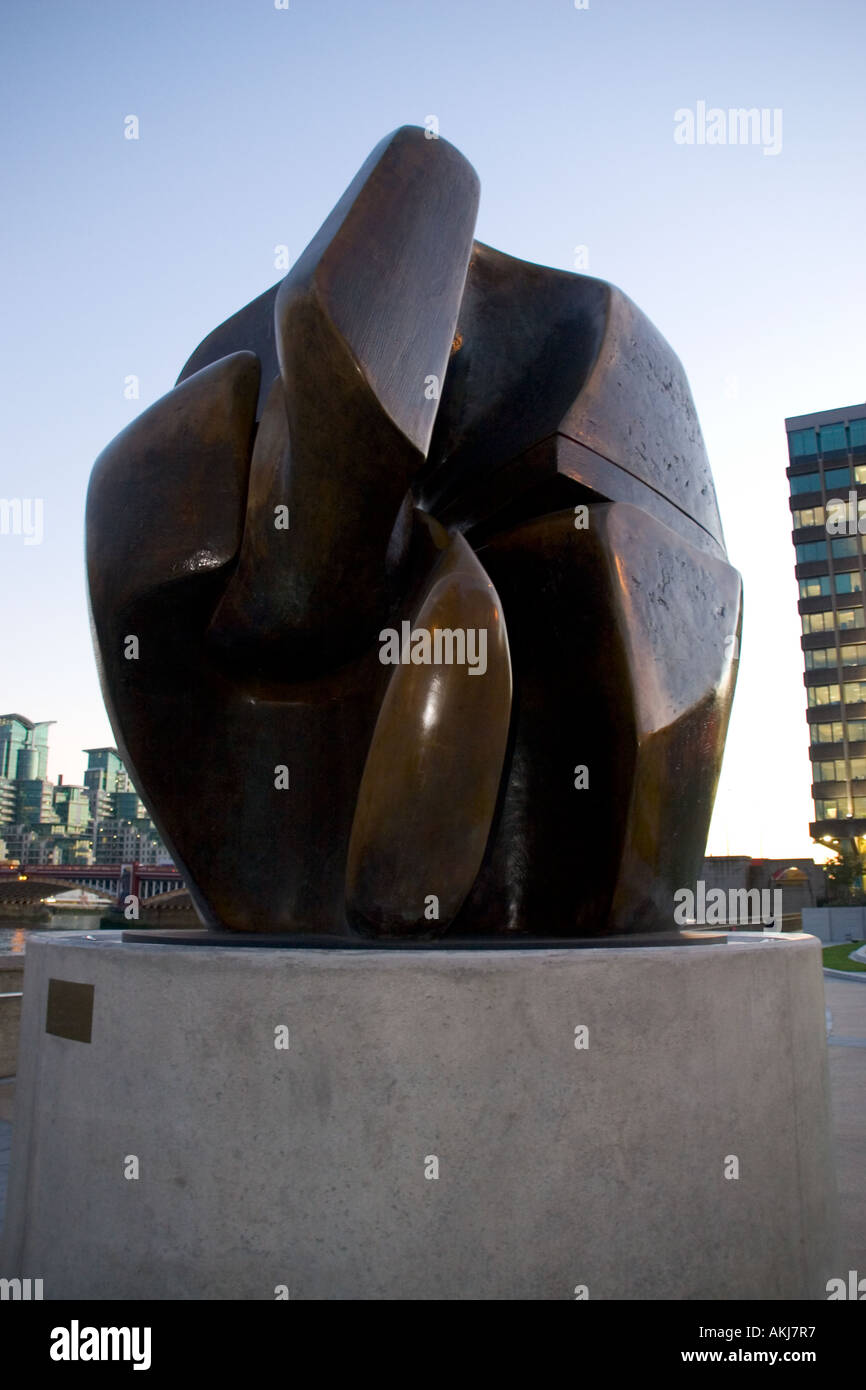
411, 601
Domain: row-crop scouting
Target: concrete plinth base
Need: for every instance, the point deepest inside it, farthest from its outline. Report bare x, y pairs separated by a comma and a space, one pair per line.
476, 1124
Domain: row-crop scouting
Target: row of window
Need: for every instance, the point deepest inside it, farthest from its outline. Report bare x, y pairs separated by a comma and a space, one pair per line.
835, 810
854, 655
832, 732
805, 444
840, 548
819, 586
840, 518
834, 770
833, 478
852, 693
828, 622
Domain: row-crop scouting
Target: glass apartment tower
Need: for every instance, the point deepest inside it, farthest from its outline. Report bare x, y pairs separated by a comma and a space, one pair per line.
827, 479
23, 747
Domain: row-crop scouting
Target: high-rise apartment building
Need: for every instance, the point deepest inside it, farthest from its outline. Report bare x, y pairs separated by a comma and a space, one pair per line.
104, 772
69, 824
23, 747
71, 806
827, 479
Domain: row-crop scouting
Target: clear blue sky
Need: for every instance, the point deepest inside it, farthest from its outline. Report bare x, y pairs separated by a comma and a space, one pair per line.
119, 255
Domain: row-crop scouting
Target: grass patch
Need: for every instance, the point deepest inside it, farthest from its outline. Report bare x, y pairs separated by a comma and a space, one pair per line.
836, 957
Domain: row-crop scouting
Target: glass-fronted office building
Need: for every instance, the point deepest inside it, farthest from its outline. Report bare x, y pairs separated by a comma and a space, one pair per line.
827, 481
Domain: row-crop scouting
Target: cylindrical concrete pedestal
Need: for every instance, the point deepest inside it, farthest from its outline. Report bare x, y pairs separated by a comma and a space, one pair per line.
541, 1124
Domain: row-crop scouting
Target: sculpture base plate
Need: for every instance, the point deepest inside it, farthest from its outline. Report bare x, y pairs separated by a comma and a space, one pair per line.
191, 936
421, 1124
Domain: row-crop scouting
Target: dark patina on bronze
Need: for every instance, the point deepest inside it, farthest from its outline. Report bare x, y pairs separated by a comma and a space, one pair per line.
414, 433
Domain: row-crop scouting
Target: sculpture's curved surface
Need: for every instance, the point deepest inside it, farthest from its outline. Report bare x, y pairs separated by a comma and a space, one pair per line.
433, 625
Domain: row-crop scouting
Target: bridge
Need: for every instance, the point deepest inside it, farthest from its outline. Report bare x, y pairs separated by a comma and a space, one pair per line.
33, 882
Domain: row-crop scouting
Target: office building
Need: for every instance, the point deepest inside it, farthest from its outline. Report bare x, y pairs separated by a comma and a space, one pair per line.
827, 482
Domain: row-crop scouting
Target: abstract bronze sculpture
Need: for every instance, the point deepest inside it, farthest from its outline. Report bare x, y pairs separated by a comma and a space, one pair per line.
411, 601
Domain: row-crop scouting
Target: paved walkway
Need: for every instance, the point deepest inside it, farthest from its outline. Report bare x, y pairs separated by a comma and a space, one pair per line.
5, 1145
846, 1019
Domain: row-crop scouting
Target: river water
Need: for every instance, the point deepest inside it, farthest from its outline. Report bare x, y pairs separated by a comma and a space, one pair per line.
13, 935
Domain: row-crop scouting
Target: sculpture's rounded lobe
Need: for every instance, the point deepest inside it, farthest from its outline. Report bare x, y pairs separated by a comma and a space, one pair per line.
431, 780
167, 497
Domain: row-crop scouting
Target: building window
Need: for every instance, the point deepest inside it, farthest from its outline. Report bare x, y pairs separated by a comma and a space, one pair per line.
816, 622
858, 768
833, 437
846, 620
843, 546
830, 810
817, 587
814, 550
807, 482
822, 658
812, 516
857, 430
802, 444
850, 583
855, 691
825, 694
827, 733
836, 477
833, 771
854, 655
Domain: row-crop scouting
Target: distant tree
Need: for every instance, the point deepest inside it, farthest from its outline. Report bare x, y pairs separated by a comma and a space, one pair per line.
845, 876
